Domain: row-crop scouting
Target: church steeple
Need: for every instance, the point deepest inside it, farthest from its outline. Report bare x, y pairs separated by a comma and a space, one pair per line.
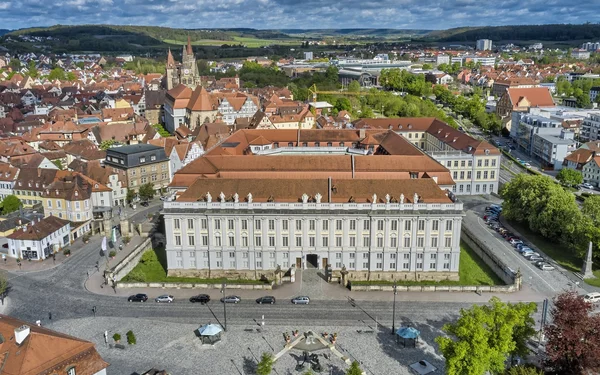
189, 47
170, 59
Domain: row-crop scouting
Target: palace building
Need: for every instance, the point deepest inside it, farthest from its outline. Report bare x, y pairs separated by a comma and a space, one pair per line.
365, 201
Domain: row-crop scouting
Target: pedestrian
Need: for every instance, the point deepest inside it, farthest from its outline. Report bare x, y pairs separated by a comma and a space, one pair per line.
49, 316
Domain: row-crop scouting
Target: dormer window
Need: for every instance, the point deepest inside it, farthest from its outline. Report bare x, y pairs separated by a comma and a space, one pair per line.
143, 159
410, 126
153, 157
399, 126
37, 184
96, 186
76, 193
56, 192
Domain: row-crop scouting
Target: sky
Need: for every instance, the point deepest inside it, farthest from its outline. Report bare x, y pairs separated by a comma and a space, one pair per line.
297, 14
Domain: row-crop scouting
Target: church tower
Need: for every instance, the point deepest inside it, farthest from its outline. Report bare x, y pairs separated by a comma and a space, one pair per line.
189, 74
172, 77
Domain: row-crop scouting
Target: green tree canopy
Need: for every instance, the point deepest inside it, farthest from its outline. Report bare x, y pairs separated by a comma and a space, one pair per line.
10, 204
130, 195
105, 145
146, 191
427, 66
265, 366
57, 73
569, 177
354, 86
343, 104
354, 369
484, 337
15, 64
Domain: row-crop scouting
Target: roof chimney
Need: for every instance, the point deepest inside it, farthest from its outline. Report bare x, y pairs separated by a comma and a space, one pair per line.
362, 133
21, 334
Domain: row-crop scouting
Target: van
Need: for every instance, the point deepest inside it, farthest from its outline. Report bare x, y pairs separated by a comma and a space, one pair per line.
592, 297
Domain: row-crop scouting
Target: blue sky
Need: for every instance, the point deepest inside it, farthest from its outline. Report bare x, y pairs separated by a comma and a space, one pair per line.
282, 14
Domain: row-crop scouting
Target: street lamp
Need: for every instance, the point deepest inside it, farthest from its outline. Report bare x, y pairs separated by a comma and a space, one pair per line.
394, 309
224, 306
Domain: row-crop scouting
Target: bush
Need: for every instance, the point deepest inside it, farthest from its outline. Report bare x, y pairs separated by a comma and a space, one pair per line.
131, 338
112, 254
117, 337
67, 251
126, 240
136, 275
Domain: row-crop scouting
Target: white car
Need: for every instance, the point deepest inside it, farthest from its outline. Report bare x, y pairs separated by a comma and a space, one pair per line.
164, 298
546, 267
587, 186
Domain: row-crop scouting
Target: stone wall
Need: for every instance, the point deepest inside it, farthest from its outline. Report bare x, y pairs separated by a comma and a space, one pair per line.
130, 261
399, 276
196, 286
437, 288
229, 274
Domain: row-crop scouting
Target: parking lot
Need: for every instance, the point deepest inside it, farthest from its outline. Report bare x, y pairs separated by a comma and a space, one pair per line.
546, 283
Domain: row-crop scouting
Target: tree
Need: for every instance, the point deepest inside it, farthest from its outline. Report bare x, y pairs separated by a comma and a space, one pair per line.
591, 208
33, 72
57, 74
161, 130
10, 204
3, 286
354, 369
265, 366
105, 145
573, 338
146, 191
130, 195
485, 336
569, 177
427, 66
524, 370
70, 76
15, 64
343, 104
354, 86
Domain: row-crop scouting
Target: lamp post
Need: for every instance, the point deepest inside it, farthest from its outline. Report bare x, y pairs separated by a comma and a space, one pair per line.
394, 309
224, 306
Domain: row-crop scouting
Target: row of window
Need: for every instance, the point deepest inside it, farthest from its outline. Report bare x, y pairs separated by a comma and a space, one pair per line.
469, 163
492, 175
366, 241
259, 255
478, 188
133, 172
366, 224
76, 205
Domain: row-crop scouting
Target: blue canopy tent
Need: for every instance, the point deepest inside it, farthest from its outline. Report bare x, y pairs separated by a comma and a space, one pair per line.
210, 333
408, 333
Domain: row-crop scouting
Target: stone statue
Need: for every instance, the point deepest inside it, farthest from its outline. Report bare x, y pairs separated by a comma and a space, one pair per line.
249, 197
318, 197
236, 198
401, 198
304, 198
222, 197
387, 198
416, 198
374, 198
208, 197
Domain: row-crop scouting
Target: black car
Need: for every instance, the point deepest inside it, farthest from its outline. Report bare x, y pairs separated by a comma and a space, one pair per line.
202, 298
266, 299
138, 298
145, 204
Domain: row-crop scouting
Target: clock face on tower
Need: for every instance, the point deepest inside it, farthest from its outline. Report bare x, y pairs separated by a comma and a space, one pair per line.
186, 71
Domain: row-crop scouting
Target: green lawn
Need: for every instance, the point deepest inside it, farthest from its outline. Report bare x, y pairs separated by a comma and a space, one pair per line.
561, 255
150, 269
472, 271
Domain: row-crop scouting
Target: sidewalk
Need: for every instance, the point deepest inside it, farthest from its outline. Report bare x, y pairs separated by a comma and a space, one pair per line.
27, 266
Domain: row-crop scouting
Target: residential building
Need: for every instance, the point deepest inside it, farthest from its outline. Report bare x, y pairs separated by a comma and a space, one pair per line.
201, 108
590, 127
308, 55
579, 158
30, 184
591, 46
521, 99
155, 113
526, 125
551, 150
39, 239
31, 349
113, 178
143, 163
591, 171
8, 176
238, 106
364, 201
484, 44
594, 94
442, 59
474, 164
499, 86
580, 54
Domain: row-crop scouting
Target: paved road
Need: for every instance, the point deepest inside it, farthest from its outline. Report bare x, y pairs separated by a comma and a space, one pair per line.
546, 283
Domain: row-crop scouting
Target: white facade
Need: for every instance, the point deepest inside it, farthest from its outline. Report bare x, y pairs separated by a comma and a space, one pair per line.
442, 59
195, 150
552, 150
102, 199
6, 188
590, 128
174, 117
229, 113
484, 44
388, 237
591, 172
39, 249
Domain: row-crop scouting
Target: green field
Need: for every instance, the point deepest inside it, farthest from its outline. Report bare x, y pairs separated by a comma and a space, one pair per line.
249, 42
472, 271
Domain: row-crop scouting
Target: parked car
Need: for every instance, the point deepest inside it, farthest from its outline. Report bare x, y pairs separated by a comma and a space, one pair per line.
138, 298
546, 267
515, 242
202, 298
231, 299
525, 249
593, 297
586, 185
164, 298
303, 300
539, 263
529, 255
144, 203
265, 300
536, 258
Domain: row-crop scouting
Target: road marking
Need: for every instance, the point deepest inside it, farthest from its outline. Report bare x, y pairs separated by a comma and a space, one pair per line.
512, 251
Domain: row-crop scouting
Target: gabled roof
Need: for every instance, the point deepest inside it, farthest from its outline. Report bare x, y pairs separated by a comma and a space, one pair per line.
536, 96
38, 230
201, 100
44, 351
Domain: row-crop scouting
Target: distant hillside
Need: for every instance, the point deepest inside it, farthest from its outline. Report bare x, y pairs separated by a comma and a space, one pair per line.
4, 31
355, 33
519, 32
